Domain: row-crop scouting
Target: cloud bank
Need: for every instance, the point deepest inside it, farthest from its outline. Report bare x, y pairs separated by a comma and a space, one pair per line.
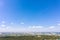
31, 29
5, 28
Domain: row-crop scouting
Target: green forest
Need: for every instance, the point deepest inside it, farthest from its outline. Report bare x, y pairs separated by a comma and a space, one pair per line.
37, 37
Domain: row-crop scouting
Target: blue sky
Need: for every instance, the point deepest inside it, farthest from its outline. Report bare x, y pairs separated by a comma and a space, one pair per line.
29, 13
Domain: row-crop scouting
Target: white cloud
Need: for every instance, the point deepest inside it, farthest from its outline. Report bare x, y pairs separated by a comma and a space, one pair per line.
30, 29
12, 23
3, 25
8, 27
51, 27
22, 23
35, 27
45, 29
3, 21
59, 24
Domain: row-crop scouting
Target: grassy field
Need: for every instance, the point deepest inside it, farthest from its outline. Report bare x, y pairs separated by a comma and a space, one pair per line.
41, 37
